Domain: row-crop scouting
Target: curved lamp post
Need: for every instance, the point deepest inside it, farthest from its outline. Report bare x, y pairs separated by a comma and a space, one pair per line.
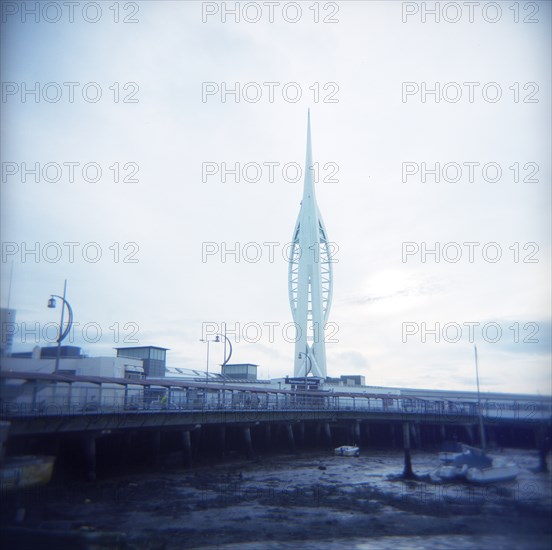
226, 340
217, 340
62, 334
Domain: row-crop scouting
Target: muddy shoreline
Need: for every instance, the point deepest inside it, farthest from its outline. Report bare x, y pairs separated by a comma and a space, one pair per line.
287, 501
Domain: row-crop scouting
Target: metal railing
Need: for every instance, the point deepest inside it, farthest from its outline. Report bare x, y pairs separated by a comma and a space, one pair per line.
45, 397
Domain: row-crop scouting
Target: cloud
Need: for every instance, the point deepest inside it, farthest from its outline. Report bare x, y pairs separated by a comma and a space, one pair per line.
345, 361
428, 289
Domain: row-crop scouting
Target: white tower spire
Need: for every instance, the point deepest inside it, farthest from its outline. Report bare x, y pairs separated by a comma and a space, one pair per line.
310, 279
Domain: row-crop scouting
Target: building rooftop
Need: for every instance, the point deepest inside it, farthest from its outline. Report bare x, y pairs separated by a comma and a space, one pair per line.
143, 347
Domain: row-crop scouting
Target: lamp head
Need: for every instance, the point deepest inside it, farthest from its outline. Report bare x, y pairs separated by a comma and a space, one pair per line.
52, 303
217, 338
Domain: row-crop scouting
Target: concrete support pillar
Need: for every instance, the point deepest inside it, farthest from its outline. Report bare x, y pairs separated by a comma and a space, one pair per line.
317, 432
415, 433
350, 431
407, 472
247, 442
301, 433
89, 446
290, 437
186, 448
469, 432
443, 432
195, 438
412, 433
268, 435
356, 433
328, 433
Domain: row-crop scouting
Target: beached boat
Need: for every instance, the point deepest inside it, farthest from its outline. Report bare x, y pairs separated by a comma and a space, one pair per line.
499, 471
456, 463
461, 461
475, 466
22, 472
347, 450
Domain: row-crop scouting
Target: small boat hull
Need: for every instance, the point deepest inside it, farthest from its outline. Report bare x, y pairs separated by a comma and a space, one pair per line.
347, 450
450, 473
23, 472
494, 474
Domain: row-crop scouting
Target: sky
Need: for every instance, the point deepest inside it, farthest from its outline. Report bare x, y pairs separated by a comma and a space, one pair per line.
136, 131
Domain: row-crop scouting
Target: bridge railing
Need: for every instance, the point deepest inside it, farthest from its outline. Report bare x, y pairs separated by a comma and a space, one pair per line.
36, 398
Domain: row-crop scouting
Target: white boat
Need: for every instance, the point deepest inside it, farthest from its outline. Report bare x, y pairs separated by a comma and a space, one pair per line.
475, 466
22, 472
457, 460
347, 450
461, 461
500, 470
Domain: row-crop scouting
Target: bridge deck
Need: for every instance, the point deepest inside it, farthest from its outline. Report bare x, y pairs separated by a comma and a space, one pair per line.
42, 403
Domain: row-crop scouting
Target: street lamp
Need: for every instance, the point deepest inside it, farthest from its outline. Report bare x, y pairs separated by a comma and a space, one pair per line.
226, 359
62, 334
217, 340
207, 371
226, 340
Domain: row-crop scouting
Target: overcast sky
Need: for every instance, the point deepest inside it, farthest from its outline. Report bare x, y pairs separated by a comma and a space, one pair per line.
164, 118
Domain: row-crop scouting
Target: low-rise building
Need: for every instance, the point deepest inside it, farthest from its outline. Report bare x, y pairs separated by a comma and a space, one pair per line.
240, 371
154, 359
